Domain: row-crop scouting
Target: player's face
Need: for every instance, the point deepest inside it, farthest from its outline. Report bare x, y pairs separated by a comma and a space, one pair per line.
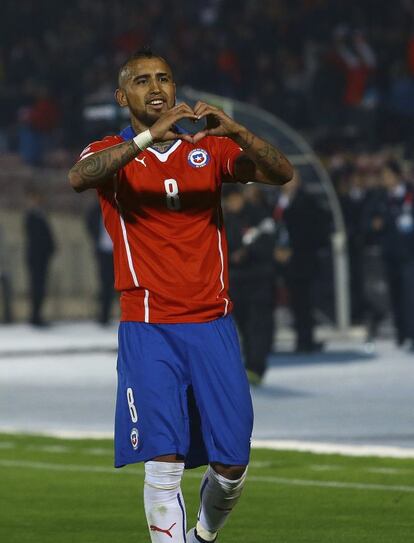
149, 89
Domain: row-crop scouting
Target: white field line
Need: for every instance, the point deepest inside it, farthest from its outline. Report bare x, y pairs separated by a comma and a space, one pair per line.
343, 449
334, 448
380, 470
7, 445
254, 464
60, 434
388, 471
66, 449
47, 466
325, 467
317, 447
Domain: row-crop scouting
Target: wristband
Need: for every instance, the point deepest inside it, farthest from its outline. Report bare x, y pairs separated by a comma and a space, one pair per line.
143, 140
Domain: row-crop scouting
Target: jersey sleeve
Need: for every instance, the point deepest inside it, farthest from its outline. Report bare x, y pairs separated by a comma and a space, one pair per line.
109, 141
229, 151
95, 146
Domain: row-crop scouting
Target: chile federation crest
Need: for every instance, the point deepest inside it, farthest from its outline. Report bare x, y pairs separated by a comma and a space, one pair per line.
134, 438
198, 158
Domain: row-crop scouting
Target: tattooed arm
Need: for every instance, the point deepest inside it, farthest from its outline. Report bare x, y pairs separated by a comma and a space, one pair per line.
260, 161
96, 170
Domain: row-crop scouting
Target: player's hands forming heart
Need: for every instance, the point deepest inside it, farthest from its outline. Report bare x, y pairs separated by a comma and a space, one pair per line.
218, 123
162, 129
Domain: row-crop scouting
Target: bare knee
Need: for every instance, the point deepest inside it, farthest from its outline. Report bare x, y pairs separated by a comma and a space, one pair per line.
229, 472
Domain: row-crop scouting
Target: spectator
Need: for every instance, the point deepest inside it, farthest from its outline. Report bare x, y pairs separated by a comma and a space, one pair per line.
5, 284
352, 196
40, 246
302, 231
104, 261
38, 124
390, 215
250, 235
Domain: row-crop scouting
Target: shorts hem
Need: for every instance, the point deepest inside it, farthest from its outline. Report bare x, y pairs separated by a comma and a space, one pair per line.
120, 463
219, 460
230, 461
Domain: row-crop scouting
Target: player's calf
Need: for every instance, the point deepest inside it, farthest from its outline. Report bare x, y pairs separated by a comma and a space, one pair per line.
218, 495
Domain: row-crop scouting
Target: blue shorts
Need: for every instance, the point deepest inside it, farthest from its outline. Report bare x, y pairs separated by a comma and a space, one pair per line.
182, 389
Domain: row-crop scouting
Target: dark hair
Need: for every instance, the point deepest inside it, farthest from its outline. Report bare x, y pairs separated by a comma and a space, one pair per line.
144, 52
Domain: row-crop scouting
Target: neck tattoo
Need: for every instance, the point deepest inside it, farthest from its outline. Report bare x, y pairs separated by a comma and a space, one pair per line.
162, 146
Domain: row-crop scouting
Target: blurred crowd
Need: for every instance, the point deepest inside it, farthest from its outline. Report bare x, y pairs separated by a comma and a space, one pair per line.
376, 192
333, 68
278, 239
274, 245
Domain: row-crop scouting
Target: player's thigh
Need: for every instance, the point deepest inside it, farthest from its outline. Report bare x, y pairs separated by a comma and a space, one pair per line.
222, 393
151, 410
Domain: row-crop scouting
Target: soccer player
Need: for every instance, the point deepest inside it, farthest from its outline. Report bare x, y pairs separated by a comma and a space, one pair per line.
183, 398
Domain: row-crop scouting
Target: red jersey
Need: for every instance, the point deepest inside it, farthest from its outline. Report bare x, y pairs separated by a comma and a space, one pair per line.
164, 217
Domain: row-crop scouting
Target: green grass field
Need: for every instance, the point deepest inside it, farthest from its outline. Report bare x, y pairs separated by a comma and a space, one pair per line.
61, 491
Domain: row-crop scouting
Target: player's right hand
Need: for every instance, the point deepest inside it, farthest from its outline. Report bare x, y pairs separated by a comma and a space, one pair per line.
162, 130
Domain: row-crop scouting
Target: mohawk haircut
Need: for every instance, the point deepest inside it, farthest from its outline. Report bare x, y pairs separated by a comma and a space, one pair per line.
144, 52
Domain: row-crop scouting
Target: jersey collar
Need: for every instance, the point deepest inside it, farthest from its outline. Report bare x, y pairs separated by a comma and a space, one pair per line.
128, 133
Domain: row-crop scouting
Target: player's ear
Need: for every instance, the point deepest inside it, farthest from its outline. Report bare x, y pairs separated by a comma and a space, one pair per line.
121, 98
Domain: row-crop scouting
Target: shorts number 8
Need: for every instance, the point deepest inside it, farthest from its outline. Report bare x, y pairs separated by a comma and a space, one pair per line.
131, 405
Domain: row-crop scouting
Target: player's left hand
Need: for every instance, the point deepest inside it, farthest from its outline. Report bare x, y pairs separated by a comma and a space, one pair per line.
218, 123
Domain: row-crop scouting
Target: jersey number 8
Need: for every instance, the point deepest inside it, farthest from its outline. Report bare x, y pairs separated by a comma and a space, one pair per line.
131, 405
173, 200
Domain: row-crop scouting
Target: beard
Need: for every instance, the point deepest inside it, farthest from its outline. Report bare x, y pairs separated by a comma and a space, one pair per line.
145, 117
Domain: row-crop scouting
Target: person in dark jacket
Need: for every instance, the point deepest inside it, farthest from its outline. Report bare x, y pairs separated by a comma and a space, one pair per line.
352, 196
104, 260
390, 216
302, 229
6, 315
40, 246
251, 237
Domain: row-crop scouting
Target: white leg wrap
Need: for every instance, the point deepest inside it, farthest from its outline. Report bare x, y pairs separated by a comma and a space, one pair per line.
218, 496
164, 503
